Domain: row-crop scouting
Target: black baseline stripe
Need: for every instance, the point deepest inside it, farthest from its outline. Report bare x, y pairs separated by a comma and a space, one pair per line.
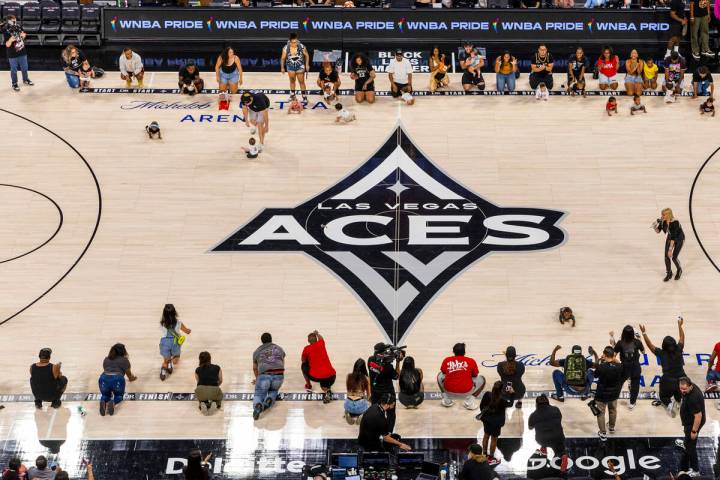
690, 201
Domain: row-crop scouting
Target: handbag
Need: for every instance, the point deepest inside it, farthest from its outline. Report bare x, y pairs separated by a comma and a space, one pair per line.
177, 339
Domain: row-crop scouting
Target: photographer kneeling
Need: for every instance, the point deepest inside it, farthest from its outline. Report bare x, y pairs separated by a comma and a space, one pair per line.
382, 374
375, 430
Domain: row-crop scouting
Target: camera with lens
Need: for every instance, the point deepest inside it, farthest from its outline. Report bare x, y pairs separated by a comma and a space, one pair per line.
389, 352
11, 29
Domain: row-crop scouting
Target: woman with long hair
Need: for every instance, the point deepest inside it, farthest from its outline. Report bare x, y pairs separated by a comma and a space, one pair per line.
364, 75
492, 416
112, 381
506, 67
673, 367
673, 242
511, 372
629, 347
294, 60
412, 392
358, 392
72, 58
228, 71
608, 65
197, 468
172, 340
438, 70
634, 74
208, 377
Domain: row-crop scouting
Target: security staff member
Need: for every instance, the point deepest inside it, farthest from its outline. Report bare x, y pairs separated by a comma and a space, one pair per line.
673, 242
375, 432
692, 415
382, 374
255, 110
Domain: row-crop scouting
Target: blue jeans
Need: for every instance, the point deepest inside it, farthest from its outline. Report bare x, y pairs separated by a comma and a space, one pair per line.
73, 80
18, 63
703, 87
267, 386
594, 3
356, 407
505, 80
561, 386
112, 387
713, 376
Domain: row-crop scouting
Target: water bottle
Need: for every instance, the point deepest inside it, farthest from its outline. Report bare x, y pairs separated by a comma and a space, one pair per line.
81, 410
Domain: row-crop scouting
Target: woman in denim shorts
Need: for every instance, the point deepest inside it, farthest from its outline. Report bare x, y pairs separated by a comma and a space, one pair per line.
358, 392
171, 343
228, 71
295, 60
633, 76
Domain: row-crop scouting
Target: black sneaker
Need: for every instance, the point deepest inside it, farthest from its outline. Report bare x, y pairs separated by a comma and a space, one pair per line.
555, 397
678, 274
56, 404
102, 408
38, 404
257, 411
584, 397
15, 87
29, 83
267, 403
668, 277
327, 398
111, 408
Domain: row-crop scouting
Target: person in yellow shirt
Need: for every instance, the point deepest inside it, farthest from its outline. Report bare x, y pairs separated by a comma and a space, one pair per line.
649, 74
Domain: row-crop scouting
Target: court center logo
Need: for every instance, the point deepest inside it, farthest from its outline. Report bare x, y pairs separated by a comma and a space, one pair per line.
396, 231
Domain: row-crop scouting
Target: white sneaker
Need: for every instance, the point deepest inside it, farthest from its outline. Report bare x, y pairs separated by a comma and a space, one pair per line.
253, 130
631, 406
204, 408
692, 473
260, 147
680, 443
470, 403
446, 402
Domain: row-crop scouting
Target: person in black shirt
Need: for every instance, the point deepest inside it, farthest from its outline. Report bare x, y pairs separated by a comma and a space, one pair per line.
14, 40
541, 68
471, 62
629, 347
692, 417
577, 66
189, 81
328, 81
255, 110
702, 82
209, 377
476, 467
364, 75
672, 363
609, 373
47, 381
412, 392
382, 374
678, 24
673, 242
546, 420
197, 468
699, 28
375, 431
492, 415
511, 372
73, 59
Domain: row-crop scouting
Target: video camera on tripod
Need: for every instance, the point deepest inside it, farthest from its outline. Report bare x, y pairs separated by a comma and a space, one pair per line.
389, 352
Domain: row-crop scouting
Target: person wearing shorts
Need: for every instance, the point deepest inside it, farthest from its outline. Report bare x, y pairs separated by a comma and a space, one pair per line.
316, 366
471, 63
228, 71
633, 77
255, 110
608, 64
294, 60
172, 339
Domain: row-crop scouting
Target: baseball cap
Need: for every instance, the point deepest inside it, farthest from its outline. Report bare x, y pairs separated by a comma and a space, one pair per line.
45, 353
510, 353
246, 98
379, 347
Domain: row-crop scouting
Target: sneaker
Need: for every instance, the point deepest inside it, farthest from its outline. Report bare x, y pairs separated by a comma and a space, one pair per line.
692, 473
584, 397
204, 408
492, 461
163, 374
518, 404
711, 387
656, 403
446, 402
267, 403
680, 443
564, 464
215, 406
170, 369
470, 403
56, 404
102, 408
260, 147
696, 56
29, 83
327, 398
257, 410
631, 406
111, 408
611, 429
708, 54
15, 87
602, 436
308, 388
675, 409
555, 397
38, 404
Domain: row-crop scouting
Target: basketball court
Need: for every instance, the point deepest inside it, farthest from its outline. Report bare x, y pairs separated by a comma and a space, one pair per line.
101, 227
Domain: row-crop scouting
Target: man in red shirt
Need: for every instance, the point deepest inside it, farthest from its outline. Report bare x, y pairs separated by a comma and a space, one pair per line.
459, 377
316, 366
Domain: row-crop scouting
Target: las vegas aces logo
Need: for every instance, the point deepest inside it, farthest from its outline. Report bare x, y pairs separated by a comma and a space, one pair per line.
396, 231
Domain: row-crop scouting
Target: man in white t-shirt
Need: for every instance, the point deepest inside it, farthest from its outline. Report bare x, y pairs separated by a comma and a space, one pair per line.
400, 73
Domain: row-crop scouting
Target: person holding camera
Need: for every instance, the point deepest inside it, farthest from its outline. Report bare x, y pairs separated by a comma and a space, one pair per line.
459, 376
576, 378
382, 373
609, 373
511, 372
375, 432
14, 40
47, 381
673, 368
629, 347
673, 242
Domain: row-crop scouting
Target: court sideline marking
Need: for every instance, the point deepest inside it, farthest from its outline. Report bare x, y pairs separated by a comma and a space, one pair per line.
690, 204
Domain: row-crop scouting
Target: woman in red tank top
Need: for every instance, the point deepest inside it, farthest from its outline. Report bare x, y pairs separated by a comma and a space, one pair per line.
608, 68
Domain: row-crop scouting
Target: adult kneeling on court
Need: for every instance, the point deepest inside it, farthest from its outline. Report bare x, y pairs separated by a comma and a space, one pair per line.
459, 377
316, 366
255, 111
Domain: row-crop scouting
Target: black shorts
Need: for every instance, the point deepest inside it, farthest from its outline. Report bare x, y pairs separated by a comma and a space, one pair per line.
469, 78
324, 382
401, 87
676, 29
359, 86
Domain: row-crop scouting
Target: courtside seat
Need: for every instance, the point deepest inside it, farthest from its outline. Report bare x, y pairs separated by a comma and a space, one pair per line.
12, 8
31, 19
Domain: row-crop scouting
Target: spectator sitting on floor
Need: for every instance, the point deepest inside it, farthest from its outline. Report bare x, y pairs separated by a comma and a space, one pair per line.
438, 70
328, 81
112, 381
316, 366
131, 66
541, 68
459, 375
197, 468
633, 74
357, 399
189, 81
400, 72
412, 392
511, 372
576, 377
46, 380
208, 377
506, 66
650, 70
703, 82
608, 65
41, 471
269, 371
72, 58
577, 67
